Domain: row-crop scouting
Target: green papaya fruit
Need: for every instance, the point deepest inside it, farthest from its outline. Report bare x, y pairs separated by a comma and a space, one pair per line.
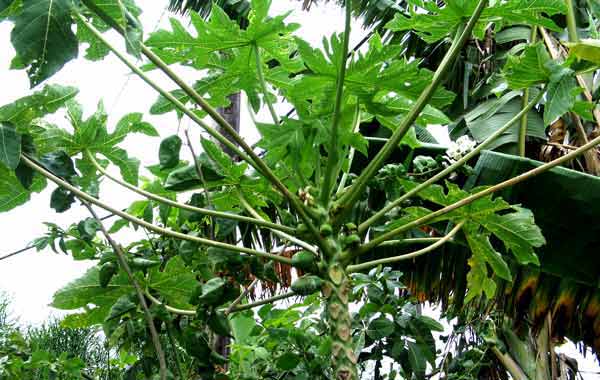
304, 260
107, 271
307, 285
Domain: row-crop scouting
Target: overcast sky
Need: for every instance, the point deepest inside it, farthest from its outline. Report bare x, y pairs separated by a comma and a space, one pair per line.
31, 278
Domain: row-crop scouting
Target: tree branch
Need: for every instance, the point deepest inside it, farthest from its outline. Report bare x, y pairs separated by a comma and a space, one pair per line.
470, 199
204, 211
149, 226
408, 256
379, 214
348, 199
123, 262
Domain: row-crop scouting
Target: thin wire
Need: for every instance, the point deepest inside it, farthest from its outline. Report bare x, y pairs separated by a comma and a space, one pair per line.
29, 247
126, 83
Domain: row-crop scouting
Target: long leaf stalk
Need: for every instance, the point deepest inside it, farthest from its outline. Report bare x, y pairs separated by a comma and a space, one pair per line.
491, 138
524, 101
510, 364
251, 157
183, 206
170, 309
160, 354
198, 168
159, 230
265, 301
179, 105
283, 235
355, 191
346, 175
571, 22
263, 85
409, 241
407, 256
470, 199
333, 157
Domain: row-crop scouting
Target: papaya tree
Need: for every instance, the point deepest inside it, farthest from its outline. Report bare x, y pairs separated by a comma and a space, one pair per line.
320, 192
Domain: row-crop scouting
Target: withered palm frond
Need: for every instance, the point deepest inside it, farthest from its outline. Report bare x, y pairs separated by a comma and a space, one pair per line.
373, 12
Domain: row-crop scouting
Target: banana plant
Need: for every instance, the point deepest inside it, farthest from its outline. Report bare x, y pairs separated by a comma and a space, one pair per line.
296, 199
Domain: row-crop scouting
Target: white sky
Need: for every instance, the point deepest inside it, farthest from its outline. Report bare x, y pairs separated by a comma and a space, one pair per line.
31, 278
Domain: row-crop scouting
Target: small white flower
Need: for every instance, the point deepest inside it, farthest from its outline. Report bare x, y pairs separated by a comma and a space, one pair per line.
457, 149
465, 144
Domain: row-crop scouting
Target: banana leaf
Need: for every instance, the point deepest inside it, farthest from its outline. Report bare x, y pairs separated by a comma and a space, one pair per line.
566, 205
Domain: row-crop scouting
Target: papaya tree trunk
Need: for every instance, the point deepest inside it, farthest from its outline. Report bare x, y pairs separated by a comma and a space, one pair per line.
232, 115
336, 292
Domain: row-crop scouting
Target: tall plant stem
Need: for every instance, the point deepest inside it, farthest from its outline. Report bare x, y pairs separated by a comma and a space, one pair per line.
339, 321
348, 199
525, 100
159, 230
281, 234
510, 364
470, 199
571, 22
182, 206
162, 363
265, 301
263, 85
365, 225
407, 256
333, 157
251, 157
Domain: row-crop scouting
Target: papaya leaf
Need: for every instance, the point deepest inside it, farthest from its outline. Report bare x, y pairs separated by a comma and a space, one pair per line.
517, 230
12, 192
480, 246
44, 102
519, 233
10, 146
61, 200
478, 280
43, 39
380, 327
587, 49
175, 283
527, 69
433, 22
168, 152
561, 93
86, 290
